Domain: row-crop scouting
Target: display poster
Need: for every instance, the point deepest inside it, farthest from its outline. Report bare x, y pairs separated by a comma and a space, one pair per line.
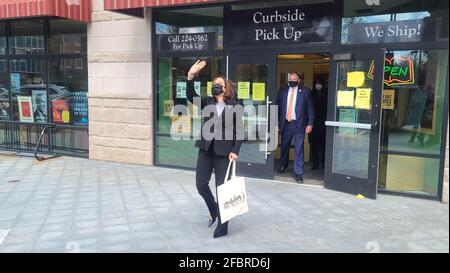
40, 112
388, 99
168, 107
79, 108
15, 81
58, 108
181, 90
25, 109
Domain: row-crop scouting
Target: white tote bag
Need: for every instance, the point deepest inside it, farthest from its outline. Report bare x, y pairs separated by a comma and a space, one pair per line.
232, 196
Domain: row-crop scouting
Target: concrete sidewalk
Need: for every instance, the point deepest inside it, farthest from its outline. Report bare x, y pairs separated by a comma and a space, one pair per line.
79, 205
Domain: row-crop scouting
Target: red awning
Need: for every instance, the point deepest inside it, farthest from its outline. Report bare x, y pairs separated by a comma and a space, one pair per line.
133, 4
79, 10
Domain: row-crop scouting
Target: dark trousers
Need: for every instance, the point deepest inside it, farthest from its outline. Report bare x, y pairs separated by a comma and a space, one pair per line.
290, 131
318, 152
206, 163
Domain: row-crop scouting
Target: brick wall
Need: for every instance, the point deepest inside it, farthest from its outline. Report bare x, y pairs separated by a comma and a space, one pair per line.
120, 87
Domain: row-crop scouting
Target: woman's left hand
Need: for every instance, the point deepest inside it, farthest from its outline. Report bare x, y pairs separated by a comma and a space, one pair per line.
233, 156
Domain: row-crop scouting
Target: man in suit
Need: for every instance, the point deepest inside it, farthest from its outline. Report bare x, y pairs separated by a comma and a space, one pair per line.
296, 118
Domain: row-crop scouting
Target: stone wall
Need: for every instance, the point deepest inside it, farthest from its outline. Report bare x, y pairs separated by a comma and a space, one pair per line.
446, 169
120, 87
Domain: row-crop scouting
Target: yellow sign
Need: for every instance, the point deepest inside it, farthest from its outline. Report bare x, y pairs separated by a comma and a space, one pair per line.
243, 90
209, 88
259, 91
345, 98
363, 97
355, 79
65, 115
388, 99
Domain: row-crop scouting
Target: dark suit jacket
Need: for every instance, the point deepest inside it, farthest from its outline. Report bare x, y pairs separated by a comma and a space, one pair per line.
304, 108
222, 147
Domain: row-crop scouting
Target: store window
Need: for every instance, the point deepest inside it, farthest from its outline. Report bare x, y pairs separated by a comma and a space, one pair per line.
44, 79
28, 90
171, 90
4, 91
394, 22
68, 86
4, 101
412, 120
2, 38
183, 36
27, 37
190, 30
67, 37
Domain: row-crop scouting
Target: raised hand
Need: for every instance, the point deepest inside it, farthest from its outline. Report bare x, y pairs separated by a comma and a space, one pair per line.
195, 69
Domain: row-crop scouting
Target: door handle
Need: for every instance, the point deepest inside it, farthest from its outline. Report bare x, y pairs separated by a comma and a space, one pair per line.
364, 126
267, 153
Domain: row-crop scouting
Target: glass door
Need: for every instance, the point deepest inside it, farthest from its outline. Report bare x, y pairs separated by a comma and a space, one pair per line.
353, 122
255, 85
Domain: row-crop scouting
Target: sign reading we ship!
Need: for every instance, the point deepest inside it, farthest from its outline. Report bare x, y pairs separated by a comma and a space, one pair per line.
387, 32
284, 25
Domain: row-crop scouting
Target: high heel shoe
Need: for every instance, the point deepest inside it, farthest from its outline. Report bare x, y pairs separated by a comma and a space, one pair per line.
212, 220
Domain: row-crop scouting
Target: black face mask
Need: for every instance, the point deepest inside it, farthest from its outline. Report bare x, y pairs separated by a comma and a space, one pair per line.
293, 83
216, 90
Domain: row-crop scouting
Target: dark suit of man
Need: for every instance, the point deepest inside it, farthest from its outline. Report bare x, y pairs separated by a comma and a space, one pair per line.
303, 116
213, 153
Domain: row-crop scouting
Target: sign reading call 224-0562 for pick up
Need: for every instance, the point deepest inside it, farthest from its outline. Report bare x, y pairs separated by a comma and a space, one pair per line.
186, 42
281, 26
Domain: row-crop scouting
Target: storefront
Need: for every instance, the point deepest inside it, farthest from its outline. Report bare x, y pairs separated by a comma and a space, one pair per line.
43, 76
386, 69
382, 135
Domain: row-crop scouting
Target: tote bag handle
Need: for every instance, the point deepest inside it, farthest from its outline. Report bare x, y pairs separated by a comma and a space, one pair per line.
233, 171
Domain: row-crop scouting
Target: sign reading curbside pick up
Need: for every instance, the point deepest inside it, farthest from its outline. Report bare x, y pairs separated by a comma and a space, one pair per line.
187, 42
281, 26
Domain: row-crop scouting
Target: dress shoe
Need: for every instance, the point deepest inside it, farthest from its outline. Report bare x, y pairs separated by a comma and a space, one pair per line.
219, 233
299, 178
212, 221
282, 169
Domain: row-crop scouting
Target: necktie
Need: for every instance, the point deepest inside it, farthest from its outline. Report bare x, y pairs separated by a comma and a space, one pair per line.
290, 105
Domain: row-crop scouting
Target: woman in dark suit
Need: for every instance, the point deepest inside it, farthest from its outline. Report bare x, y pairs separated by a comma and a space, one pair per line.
215, 150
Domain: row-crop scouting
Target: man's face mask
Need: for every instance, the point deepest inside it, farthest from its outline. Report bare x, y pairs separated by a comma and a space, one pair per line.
319, 87
293, 83
217, 89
